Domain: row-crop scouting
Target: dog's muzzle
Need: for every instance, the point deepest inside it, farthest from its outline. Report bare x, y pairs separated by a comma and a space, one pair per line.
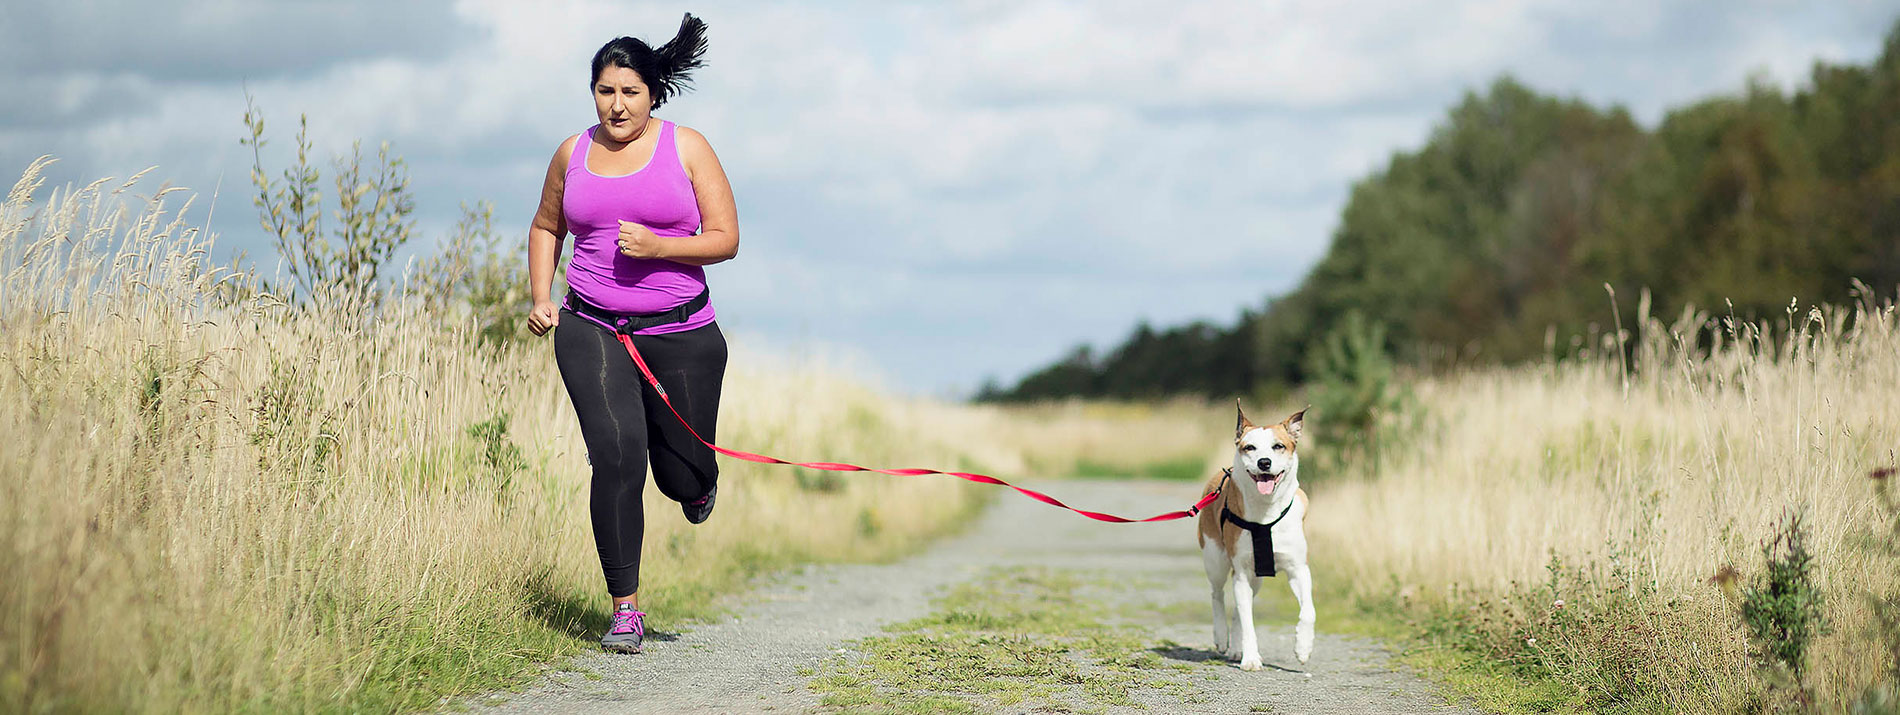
1265, 481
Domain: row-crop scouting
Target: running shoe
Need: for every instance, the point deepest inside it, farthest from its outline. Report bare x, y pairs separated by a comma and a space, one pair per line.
626, 632
698, 509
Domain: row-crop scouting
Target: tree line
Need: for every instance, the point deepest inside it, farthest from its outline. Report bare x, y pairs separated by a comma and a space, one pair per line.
1495, 240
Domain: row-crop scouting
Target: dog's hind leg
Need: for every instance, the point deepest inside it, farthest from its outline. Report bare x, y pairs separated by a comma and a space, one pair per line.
1244, 586
1217, 573
1299, 578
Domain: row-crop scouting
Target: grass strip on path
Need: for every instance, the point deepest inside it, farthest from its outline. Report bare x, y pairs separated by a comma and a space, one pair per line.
1015, 638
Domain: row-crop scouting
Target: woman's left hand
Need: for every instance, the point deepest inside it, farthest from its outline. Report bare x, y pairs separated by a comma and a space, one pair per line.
638, 241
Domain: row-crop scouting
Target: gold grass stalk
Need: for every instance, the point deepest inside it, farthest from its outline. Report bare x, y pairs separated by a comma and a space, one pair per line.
1721, 427
215, 500
1058, 438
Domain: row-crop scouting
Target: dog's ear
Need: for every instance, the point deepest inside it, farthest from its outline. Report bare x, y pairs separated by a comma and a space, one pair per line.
1242, 425
1294, 423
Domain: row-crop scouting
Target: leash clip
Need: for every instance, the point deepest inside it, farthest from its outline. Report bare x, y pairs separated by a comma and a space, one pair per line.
1225, 474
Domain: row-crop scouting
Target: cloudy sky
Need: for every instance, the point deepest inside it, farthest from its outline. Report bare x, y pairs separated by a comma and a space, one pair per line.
948, 191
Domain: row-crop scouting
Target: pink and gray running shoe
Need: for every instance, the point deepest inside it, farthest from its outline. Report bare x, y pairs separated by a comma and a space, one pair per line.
626, 631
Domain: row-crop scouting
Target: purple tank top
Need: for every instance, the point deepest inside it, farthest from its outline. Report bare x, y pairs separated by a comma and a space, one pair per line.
658, 196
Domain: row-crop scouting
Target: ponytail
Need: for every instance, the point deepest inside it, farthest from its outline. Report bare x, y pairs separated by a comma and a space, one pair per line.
681, 55
667, 70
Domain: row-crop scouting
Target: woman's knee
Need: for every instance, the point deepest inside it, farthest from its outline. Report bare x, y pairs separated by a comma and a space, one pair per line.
619, 464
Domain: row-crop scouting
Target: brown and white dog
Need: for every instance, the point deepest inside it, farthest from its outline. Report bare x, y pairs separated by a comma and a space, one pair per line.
1264, 493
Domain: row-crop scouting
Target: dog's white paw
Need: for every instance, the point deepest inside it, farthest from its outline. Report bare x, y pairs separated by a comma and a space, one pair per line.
1303, 642
1251, 662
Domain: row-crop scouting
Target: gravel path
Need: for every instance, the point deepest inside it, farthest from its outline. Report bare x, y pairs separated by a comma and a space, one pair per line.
752, 662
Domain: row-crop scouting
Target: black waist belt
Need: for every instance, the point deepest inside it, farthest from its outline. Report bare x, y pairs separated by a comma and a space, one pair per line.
1262, 537
630, 323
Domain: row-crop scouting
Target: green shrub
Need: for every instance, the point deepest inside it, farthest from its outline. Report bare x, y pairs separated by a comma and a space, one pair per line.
373, 219
472, 270
292, 432
473, 273
1782, 612
501, 458
1356, 394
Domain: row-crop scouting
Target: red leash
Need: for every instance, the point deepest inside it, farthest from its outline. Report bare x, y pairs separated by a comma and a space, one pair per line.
840, 467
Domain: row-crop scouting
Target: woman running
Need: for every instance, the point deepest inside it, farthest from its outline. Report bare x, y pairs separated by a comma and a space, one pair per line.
649, 206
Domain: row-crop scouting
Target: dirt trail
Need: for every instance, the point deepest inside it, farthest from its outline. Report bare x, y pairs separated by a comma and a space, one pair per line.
786, 626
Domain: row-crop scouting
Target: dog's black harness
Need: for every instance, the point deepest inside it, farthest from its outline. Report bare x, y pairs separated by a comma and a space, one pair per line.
628, 324
1262, 535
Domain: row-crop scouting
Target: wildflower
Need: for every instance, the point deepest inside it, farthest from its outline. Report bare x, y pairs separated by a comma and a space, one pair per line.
1532, 642
1559, 604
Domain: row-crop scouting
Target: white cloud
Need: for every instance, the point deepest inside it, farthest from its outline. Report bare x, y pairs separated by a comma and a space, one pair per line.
995, 179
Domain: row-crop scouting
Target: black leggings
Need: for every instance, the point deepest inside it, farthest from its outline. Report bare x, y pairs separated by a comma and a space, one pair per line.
625, 425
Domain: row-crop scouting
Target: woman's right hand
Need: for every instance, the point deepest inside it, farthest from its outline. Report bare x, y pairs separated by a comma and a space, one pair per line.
543, 316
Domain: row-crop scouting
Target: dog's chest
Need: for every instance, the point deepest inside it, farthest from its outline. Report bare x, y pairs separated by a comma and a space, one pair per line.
1253, 547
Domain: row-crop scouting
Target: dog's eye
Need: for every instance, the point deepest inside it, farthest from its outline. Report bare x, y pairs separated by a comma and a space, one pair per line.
1277, 447
1248, 448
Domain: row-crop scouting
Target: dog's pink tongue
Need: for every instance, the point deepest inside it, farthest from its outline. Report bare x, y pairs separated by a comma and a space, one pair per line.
1264, 487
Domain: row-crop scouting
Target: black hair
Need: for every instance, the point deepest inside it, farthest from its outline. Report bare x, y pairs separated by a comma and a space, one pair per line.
667, 70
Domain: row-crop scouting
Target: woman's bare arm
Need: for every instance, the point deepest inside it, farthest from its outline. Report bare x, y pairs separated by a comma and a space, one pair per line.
718, 238
545, 234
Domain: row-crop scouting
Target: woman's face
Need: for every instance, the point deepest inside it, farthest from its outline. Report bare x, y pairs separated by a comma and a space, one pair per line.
622, 101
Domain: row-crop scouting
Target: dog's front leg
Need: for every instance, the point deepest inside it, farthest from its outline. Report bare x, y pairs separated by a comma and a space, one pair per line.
1218, 571
1300, 579
1243, 610
1221, 643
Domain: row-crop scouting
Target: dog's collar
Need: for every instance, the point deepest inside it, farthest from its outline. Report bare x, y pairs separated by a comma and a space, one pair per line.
1227, 515
1262, 538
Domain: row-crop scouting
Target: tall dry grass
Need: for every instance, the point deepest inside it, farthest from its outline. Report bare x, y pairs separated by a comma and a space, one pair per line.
212, 503
1639, 487
1179, 438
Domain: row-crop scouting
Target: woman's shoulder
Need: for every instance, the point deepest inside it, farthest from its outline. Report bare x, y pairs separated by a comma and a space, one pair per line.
691, 144
684, 134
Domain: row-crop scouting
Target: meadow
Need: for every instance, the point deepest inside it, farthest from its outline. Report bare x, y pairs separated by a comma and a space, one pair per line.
215, 500
1564, 521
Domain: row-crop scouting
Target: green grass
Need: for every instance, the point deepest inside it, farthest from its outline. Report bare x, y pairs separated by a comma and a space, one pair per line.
1178, 469
559, 620
1415, 635
1487, 685
1017, 639
1033, 640
1410, 632
974, 653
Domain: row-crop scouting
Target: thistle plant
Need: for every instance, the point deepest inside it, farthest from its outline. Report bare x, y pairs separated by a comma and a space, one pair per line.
1782, 612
